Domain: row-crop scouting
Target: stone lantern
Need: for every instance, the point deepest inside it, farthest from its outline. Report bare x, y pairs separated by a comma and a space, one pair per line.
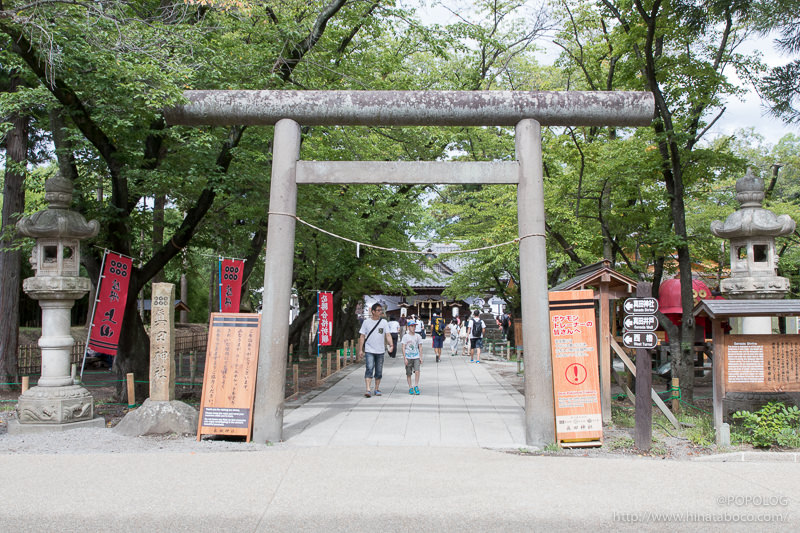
754, 262
56, 402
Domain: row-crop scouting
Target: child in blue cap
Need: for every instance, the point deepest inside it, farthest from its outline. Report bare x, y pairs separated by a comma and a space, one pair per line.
412, 355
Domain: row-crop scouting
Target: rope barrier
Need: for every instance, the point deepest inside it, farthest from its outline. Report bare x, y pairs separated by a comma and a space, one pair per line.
694, 407
398, 250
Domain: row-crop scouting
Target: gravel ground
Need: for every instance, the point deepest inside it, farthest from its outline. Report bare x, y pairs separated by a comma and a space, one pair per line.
105, 440
618, 441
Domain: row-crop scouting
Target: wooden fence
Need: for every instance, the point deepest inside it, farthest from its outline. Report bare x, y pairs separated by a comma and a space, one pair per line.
187, 348
29, 357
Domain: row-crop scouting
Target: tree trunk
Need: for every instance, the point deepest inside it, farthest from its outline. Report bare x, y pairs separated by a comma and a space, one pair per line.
135, 343
212, 291
10, 266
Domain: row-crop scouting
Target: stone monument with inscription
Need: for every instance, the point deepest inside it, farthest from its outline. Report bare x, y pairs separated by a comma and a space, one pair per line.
161, 412
162, 343
56, 402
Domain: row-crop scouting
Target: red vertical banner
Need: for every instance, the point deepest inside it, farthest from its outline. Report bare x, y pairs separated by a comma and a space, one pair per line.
325, 318
231, 271
576, 379
112, 294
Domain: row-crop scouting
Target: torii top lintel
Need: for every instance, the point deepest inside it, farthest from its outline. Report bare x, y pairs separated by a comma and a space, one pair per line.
414, 108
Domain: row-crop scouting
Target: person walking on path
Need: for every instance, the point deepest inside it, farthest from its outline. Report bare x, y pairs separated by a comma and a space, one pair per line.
412, 356
505, 322
420, 326
374, 336
452, 331
476, 327
463, 336
394, 331
437, 335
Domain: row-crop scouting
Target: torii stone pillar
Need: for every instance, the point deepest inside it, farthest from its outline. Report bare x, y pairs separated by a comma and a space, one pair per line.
527, 111
535, 302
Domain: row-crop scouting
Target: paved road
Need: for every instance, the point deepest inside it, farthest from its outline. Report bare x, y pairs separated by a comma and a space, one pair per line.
375, 488
396, 463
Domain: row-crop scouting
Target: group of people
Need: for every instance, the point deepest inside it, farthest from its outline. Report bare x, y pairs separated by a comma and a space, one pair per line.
377, 334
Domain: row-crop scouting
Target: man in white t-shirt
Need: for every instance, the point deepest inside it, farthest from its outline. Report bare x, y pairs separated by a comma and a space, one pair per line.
372, 342
476, 327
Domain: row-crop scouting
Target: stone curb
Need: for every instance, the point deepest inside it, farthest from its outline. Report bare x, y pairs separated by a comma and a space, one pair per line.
752, 457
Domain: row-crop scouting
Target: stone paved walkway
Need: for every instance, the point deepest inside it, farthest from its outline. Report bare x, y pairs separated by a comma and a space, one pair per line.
461, 404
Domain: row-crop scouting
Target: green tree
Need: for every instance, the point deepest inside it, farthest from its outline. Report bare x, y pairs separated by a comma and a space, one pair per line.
680, 51
780, 86
113, 66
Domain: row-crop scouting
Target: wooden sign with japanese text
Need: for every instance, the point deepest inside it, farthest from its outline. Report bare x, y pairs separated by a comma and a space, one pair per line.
576, 378
229, 381
762, 363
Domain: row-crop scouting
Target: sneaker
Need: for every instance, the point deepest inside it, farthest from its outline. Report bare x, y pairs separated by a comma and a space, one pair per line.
416, 390
477, 361
472, 360
411, 390
367, 394
377, 392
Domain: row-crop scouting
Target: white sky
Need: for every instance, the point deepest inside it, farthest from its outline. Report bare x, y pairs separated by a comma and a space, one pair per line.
739, 114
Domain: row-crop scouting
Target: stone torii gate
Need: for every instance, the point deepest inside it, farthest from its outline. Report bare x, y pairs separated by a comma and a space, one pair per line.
526, 111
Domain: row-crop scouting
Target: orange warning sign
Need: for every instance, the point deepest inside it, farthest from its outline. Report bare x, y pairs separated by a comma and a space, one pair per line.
229, 380
576, 379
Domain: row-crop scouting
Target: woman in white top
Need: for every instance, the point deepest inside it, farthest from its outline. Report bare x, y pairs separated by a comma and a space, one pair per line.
394, 331
452, 331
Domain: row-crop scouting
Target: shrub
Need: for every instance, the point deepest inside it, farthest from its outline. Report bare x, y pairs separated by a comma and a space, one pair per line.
775, 423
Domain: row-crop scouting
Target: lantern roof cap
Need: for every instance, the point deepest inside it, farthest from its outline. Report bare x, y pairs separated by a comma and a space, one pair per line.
752, 220
750, 190
58, 220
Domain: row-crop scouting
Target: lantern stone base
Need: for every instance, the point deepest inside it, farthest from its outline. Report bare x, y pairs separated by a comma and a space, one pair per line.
15, 428
55, 405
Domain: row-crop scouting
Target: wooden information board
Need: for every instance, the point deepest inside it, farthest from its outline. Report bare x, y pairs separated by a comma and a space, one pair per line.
229, 381
762, 363
576, 378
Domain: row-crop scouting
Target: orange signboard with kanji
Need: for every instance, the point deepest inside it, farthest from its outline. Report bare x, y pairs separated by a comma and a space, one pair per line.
229, 380
576, 378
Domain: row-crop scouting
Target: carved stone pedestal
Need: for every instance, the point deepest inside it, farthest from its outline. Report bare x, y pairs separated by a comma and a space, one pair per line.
54, 409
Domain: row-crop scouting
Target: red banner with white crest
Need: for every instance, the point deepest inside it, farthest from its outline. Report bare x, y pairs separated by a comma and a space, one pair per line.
325, 310
230, 286
112, 294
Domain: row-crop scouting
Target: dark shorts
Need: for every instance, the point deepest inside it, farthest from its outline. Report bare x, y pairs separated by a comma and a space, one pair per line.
438, 341
476, 343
